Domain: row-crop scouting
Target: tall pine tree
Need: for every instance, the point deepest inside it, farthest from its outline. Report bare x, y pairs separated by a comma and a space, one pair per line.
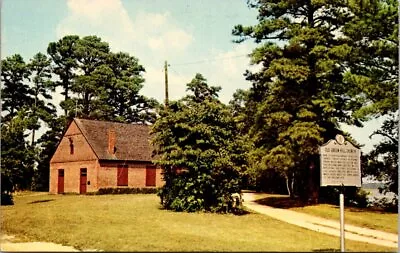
299, 91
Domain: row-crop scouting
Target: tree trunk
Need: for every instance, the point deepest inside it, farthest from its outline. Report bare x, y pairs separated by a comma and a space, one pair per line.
66, 90
292, 185
289, 185
34, 114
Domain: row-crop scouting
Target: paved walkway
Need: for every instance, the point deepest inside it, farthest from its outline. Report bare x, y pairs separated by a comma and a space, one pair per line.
323, 225
7, 244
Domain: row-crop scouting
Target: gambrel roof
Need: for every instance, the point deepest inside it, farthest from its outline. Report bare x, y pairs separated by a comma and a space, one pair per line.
132, 141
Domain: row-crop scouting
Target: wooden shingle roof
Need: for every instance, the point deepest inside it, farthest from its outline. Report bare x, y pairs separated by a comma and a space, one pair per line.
132, 141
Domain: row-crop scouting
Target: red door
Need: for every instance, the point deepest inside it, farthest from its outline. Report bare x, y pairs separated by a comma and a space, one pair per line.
83, 181
122, 175
151, 176
60, 185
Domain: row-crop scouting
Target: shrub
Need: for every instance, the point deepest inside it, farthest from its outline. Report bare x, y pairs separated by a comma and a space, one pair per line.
103, 191
199, 146
387, 204
353, 196
6, 199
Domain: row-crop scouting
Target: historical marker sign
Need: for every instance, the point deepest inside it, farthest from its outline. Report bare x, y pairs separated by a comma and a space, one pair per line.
340, 163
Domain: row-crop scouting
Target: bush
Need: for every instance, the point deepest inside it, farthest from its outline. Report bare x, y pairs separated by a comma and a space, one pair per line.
103, 191
6, 199
191, 194
387, 204
353, 196
201, 151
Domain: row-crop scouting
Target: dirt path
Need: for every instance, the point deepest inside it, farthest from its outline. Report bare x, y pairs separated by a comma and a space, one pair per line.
323, 225
7, 244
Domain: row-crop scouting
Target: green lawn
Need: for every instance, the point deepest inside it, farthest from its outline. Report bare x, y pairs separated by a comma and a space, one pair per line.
364, 217
355, 216
136, 223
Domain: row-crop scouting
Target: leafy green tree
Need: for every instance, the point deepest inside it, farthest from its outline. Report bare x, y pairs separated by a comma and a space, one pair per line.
383, 161
299, 92
16, 155
373, 67
15, 91
200, 89
98, 83
95, 82
42, 87
122, 91
200, 151
63, 55
25, 91
91, 55
373, 75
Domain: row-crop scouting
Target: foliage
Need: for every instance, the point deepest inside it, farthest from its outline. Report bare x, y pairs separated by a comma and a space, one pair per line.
322, 63
200, 152
103, 191
388, 204
373, 74
269, 181
15, 92
373, 67
64, 61
6, 199
354, 197
383, 161
298, 93
123, 98
100, 84
16, 156
42, 87
96, 84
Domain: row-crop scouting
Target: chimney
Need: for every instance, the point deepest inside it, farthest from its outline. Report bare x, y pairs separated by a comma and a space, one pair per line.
111, 141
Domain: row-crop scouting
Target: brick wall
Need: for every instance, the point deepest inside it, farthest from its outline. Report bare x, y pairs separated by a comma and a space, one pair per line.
136, 175
72, 176
84, 157
82, 150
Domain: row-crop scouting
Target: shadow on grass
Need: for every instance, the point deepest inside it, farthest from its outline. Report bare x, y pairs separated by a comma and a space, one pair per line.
326, 250
41, 201
281, 202
239, 212
287, 203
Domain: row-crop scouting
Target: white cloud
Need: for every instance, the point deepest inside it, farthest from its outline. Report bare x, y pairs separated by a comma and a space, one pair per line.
173, 39
109, 20
96, 10
150, 36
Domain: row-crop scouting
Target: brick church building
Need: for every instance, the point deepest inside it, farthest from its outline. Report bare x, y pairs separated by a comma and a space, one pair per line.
101, 154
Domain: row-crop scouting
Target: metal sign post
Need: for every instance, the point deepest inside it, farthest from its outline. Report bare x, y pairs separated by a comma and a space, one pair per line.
341, 200
340, 166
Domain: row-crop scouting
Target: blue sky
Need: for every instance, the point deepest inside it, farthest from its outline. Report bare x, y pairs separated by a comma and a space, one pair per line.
193, 36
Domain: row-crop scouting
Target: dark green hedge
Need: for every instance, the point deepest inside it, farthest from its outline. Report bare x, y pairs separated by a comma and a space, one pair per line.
6, 199
103, 191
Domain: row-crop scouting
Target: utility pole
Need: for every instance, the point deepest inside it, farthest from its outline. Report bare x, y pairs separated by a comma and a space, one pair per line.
166, 83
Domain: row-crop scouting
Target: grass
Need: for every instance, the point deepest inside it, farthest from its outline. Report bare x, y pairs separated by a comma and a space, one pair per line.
364, 217
136, 223
355, 216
